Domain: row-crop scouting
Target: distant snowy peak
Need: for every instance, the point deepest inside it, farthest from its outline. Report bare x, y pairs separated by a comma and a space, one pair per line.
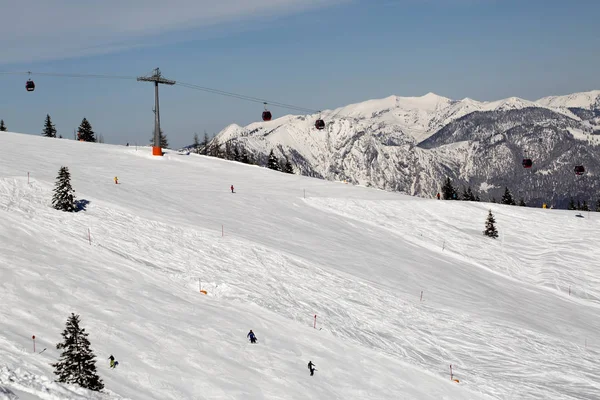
586, 100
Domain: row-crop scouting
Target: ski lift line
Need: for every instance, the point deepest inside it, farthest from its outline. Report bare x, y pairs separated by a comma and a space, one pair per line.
247, 98
54, 74
184, 84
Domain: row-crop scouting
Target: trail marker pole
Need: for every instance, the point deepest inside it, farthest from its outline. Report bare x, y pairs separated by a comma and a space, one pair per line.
315, 324
304, 193
450, 371
33, 337
28, 178
90, 236
569, 290
421, 296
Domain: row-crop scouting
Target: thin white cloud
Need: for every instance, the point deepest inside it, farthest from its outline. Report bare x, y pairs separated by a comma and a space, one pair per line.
45, 29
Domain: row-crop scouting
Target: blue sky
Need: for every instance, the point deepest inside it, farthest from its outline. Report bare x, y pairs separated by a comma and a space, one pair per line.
316, 54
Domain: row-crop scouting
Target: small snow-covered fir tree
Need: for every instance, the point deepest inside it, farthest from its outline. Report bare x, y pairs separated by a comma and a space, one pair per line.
2, 126
77, 361
490, 229
273, 162
49, 128
448, 191
63, 198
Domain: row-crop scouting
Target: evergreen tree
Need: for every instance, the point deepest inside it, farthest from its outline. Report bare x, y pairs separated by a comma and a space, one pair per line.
164, 143
2, 126
465, 195
507, 198
246, 159
196, 143
477, 198
63, 198
49, 128
571, 204
228, 150
288, 168
215, 148
584, 206
77, 361
85, 132
205, 144
522, 203
236, 153
273, 162
448, 190
490, 229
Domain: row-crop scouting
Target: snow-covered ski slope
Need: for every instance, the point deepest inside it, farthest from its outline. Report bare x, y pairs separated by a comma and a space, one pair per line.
517, 317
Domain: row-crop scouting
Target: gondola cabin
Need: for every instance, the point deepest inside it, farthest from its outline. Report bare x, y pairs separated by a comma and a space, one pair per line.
579, 170
266, 115
30, 86
527, 163
320, 124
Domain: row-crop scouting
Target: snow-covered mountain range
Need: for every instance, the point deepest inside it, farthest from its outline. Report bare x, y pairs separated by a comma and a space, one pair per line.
411, 144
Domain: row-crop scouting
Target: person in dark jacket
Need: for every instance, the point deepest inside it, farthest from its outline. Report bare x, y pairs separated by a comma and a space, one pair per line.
252, 336
311, 368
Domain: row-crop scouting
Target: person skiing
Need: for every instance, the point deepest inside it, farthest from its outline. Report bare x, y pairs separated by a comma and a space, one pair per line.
311, 367
113, 363
116, 180
252, 336
234, 192
438, 195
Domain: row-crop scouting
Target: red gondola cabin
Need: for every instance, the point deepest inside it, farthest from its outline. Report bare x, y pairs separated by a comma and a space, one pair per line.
30, 86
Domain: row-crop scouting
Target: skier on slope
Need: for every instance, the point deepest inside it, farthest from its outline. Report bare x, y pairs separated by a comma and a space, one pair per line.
232, 189
252, 336
311, 368
113, 363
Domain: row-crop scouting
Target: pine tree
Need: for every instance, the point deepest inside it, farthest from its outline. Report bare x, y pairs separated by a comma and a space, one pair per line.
507, 198
228, 150
49, 128
85, 132
490, 229
196, 143
288, 168
164, 143
522, 203
2, 126
465, 195
215, 148
205, 143
77, 361
571, 204
236, 153
245, 158
273, 162
63, 198
448, 190
584, 206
